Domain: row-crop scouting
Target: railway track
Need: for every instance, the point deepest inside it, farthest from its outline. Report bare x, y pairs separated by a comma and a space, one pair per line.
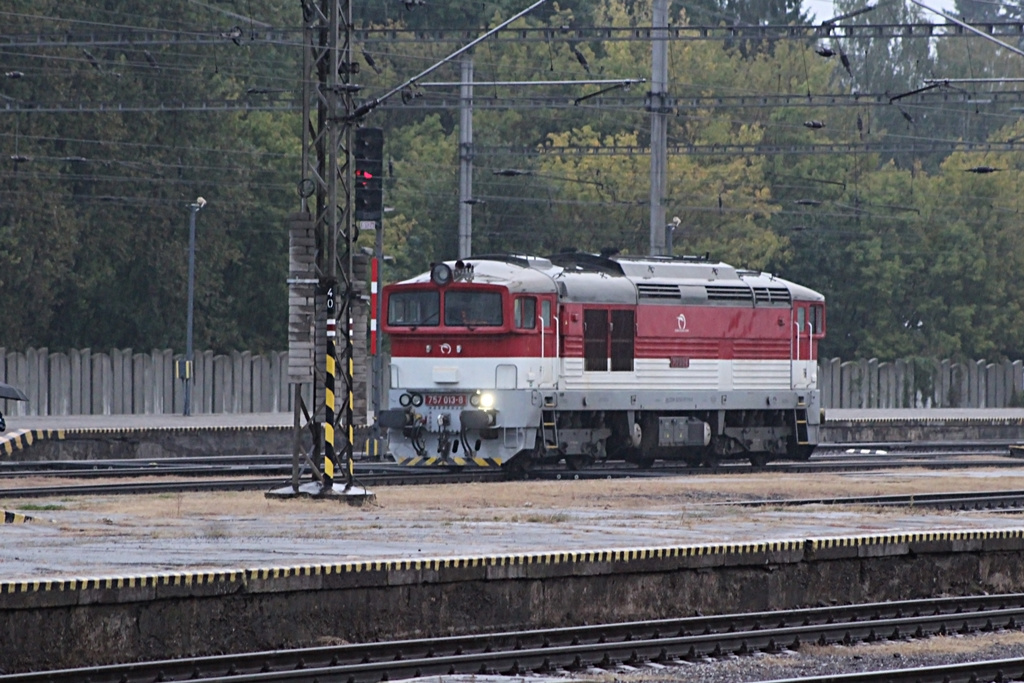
264, 472
893, 454
214, 482
665, 643
1007, 501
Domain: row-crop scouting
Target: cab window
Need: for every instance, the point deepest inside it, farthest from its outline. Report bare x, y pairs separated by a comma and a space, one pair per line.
818, 319
414, 308
472, 309
545, 313
525, 313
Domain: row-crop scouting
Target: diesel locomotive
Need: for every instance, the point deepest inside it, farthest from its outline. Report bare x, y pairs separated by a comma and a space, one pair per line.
510, 360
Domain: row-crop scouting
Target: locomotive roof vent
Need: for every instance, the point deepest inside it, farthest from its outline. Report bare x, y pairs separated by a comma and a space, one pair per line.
772, 295
729, 293
669, 293
654, 290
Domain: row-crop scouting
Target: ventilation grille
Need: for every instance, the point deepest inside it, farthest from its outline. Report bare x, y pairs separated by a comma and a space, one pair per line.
772, 295
729, 293
648, 290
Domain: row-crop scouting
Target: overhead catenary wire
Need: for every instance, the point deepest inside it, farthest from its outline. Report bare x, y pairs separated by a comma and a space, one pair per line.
639, 126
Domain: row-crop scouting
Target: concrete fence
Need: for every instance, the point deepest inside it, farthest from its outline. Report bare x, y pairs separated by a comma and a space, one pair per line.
81, 382
921, 383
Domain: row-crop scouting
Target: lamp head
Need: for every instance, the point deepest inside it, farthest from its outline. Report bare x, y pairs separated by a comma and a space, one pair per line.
200, 202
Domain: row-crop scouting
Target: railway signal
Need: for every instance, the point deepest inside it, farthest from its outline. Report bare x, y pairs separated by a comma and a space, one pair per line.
368, 153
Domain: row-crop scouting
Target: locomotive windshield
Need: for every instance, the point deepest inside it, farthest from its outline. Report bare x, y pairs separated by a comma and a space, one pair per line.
472, 308
414, 308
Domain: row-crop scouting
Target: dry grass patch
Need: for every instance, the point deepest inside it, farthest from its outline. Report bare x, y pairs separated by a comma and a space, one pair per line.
541, 500
939, 645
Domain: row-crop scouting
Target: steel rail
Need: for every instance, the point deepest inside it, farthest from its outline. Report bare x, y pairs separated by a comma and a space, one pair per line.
967, 500
409, 477
971, 672
236, 475
666, 641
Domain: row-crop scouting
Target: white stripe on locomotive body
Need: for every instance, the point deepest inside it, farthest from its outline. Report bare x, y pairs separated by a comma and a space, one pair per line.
468, 374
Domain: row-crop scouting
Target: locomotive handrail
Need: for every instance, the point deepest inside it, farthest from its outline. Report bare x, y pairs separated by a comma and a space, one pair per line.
796, 357
793, 356
558, 341
540, 323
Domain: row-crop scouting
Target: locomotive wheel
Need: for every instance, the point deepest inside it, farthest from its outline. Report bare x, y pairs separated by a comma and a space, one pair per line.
579, 461
758, 459
519, 467
710, 458
799, 452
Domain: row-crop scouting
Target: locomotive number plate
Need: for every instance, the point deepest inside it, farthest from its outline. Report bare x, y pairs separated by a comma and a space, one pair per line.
445, 400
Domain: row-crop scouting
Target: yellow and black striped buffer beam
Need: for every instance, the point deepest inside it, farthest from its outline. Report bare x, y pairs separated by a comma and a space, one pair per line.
417, 461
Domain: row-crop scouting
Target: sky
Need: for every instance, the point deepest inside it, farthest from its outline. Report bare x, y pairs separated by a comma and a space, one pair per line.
824, 9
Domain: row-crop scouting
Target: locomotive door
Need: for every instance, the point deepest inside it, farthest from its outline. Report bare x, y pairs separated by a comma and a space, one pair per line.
608, 340
595, 340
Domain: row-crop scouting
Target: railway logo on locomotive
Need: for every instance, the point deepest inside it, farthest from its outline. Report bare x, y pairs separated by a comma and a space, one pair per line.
681, 323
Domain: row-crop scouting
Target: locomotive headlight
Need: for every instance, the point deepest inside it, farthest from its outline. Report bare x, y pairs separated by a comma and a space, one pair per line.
486, 401
441, 274
474, 400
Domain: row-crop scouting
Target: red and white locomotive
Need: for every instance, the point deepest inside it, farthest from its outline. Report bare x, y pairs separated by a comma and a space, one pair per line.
520, 359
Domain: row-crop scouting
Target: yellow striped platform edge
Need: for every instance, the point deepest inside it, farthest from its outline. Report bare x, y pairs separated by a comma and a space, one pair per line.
23, 438
15, 517
89, 431
621, 555
929, 420
418, 461
915, 537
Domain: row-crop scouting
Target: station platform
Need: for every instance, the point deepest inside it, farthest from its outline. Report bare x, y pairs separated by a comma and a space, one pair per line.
117, 578
85, 437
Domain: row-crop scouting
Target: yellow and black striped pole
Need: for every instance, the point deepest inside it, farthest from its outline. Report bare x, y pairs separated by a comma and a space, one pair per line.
349, 418
330, 368
329, 410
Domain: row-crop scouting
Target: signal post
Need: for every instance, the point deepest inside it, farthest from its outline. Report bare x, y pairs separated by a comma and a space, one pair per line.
326, 321
342, 181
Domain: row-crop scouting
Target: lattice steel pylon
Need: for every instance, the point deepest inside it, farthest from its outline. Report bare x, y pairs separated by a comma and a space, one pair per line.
328, 176
323, 282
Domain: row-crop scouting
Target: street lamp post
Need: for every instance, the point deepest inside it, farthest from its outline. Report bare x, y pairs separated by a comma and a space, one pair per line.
187, 373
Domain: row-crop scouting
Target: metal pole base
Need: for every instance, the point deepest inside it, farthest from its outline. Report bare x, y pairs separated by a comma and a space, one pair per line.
353, 495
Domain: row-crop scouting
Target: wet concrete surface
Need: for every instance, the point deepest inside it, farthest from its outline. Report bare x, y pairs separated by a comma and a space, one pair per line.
129, 536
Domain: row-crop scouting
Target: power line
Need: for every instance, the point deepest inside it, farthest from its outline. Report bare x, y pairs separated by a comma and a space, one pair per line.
767, 32
292, 36
759, 149
430, 102
228, 106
